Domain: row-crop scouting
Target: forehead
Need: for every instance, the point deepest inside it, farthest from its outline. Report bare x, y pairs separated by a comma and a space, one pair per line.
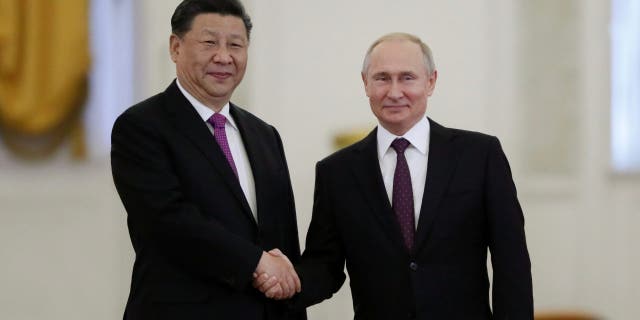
216, 24
396, 56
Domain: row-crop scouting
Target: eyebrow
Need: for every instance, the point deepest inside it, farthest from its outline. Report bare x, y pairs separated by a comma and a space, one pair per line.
215, 34
387, 73
380, 73
408, 73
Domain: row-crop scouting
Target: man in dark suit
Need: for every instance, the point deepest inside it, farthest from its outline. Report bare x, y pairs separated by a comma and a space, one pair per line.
413, 207
205, 183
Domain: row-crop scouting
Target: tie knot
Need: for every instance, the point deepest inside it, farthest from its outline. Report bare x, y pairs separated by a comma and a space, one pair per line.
217, 120
400, 144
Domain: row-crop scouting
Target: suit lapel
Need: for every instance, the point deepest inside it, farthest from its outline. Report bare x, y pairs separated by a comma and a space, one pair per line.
442, 161
255, 151
191, 125
367, 172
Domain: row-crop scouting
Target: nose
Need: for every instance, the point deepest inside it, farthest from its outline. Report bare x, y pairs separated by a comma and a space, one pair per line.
395, 91
222, 56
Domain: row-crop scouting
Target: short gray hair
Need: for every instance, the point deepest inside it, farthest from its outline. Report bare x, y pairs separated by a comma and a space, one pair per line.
426, 51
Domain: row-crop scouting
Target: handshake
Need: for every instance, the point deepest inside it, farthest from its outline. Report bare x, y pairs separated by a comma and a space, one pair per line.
275, 276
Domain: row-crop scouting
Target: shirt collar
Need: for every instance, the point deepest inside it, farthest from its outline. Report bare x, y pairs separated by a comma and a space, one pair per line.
204, 111
416, 136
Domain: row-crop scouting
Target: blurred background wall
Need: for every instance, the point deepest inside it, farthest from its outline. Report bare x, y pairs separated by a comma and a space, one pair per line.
535, 73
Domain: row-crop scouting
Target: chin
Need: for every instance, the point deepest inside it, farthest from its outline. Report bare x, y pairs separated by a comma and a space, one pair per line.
395, 119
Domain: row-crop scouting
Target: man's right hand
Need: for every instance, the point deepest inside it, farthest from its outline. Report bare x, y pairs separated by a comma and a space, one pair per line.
275, 276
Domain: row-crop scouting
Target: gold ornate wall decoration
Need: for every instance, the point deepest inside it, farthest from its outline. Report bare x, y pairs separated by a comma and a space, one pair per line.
349, 137
44, 63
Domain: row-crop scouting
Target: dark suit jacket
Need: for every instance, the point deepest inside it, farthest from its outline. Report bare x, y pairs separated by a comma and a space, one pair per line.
192, 230
469, 205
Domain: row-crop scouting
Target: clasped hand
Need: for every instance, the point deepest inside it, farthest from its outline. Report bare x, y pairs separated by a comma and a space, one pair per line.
275, 276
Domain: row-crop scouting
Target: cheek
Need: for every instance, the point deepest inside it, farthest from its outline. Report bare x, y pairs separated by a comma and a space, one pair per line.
375, 102
240, 59
367, 91
241, 67
200, 58
376, 106
376, 94
419, 94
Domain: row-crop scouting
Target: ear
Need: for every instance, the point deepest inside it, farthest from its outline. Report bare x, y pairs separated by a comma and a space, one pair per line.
174, 46
431, 82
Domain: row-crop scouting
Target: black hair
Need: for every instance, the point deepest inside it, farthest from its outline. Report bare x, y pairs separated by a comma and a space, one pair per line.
187, 10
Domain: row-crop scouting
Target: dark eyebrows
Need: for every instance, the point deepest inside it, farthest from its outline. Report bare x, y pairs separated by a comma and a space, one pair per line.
212, 33
380, 74
238, 37
208, 32
387, 74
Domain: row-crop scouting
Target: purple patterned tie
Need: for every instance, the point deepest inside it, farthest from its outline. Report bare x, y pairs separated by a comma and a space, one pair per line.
403, 193
218, 121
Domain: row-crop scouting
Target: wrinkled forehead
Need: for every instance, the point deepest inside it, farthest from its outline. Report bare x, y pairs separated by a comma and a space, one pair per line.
397, 55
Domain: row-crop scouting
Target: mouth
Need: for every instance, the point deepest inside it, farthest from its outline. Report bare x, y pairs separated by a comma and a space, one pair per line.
219, 75
395, 106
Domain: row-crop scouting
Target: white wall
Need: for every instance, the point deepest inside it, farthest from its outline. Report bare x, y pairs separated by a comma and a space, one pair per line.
65, 251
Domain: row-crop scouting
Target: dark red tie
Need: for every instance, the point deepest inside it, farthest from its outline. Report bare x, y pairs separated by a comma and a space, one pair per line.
218, 121
403, 193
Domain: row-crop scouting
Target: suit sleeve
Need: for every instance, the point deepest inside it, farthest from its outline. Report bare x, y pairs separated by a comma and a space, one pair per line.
512, 284
162, 221
291, 229
321, 270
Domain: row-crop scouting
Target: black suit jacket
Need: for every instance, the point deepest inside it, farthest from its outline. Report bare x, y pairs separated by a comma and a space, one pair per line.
469, 205
196, 241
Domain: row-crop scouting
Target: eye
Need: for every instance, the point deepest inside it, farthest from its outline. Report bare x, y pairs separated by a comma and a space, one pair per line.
209, 42
237, 45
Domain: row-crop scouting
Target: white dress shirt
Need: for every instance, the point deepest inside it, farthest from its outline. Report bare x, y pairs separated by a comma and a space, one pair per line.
416, 154
238, 151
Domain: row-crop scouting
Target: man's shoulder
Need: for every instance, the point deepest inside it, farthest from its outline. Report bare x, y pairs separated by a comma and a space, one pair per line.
471, 136
246, 116
465, 142
154, 106
148, 114
461, 136
147, 107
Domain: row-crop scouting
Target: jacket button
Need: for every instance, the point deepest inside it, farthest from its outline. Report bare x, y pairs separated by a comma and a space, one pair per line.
413, 266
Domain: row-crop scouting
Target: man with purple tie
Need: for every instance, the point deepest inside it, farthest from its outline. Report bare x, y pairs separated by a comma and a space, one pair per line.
205, 183
413, 208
